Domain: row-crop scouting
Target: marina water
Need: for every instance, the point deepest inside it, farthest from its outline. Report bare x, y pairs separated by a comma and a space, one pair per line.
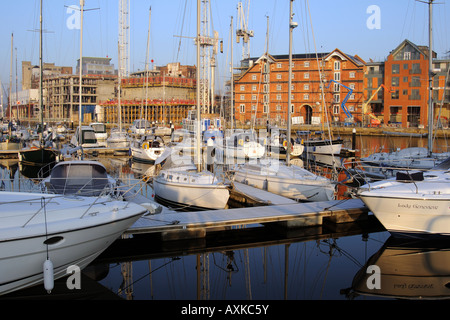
251, 263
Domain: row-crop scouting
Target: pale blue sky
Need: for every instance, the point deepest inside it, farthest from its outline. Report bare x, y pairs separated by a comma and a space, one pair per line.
323, 25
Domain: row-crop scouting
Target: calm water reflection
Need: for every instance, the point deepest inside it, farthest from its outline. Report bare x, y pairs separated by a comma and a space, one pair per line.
312, 263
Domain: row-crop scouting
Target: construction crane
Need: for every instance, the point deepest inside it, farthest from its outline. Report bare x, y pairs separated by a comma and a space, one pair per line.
350, 91
241, 30
374, 121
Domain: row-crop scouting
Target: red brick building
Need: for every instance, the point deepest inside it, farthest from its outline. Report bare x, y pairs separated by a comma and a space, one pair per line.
406, 73
261, 92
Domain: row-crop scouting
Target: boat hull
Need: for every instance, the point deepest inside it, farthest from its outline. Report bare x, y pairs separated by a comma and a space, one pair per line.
145, 155
76, 240
421, 217
37, 156
324, 146
192, 196
289, 185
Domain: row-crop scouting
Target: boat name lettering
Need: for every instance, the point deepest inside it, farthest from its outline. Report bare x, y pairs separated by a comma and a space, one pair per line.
413, 286
417, 206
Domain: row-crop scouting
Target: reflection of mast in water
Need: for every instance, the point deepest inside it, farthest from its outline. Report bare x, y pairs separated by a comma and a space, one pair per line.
126, 287
203, 289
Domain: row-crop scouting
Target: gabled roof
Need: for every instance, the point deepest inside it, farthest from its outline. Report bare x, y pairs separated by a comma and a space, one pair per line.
423, 50
343, 56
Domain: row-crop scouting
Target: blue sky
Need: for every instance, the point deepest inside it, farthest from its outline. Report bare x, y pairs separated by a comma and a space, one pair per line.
323, 26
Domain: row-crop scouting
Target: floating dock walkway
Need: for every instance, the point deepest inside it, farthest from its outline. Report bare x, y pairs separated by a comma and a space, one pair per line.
187, 225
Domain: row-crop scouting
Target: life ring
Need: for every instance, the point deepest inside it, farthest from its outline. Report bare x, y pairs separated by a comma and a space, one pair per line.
145, 145
241, 142
285, 143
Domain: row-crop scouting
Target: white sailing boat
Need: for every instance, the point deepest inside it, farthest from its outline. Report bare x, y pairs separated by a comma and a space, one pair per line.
184, 184
241, 145
147, 149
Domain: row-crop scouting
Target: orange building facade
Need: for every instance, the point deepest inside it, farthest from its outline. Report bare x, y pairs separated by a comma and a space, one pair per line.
337, 88
406, 74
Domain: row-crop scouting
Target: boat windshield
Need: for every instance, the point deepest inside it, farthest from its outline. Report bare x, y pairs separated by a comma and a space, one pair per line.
83, 179
99, 127
89, 136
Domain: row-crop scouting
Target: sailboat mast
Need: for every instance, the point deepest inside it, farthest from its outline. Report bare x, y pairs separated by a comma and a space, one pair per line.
41, 105
119, 94
10, 79
292, 25
430, 77
232, 79
198, 133
81, 60
146, 62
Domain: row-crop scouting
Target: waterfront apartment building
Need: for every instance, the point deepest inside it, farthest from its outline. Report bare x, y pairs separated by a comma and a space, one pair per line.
327, 87
393, 92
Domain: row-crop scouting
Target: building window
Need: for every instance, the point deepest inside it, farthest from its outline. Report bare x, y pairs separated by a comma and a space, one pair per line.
278, 107
253, 76
337, 65
352, 74
306, 87
352, 86
415, 82
253, 97
336, 109
395, 69
395, 95
254, 87
415, 69
337, 76
407, 55
253, 107
306, 96
336, 87
415, 95
242, 108
306, 75
279, 65
278, 87
265, 108
278, 76
352, 97
395, 81
278, 96
242, 97
242, 88
336, 98
306, 64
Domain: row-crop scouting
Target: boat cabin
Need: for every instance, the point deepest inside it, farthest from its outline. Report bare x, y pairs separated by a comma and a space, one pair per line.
84, 178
